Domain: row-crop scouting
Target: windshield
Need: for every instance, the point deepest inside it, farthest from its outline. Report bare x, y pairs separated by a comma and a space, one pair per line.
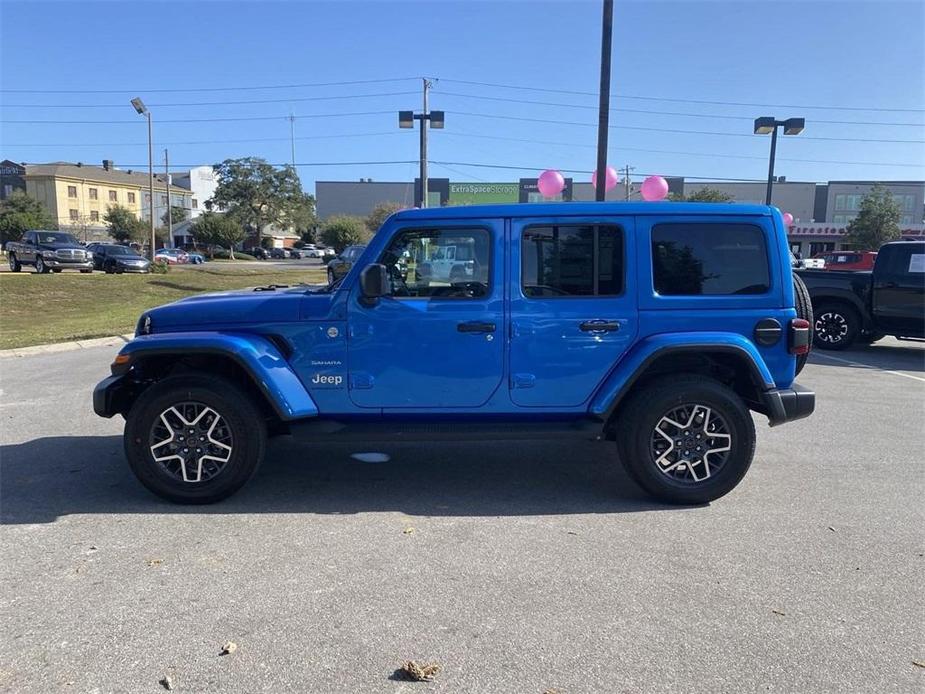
119, 250
54, 237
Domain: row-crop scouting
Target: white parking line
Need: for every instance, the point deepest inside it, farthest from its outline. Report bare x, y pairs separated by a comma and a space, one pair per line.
868, 366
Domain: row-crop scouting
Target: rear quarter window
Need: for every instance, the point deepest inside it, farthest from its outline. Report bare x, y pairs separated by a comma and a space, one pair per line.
709, 259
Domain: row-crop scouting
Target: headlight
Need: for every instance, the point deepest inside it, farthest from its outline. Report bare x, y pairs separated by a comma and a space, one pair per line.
144, 325
49, 254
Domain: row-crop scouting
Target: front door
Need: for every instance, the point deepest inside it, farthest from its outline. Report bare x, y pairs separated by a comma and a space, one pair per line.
438, 340
899, 290
573, 307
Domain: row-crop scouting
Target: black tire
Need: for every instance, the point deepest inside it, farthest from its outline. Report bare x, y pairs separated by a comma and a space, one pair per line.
85, 272
108, 268
804, 309
15, 265
248, 435
836, 326
56, 270
637, 438
40, 266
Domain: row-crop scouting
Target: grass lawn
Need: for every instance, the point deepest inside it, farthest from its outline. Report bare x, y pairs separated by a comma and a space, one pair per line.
38, 309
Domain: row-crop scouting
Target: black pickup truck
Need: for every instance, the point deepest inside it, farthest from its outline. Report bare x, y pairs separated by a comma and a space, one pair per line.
48, 251
864, 306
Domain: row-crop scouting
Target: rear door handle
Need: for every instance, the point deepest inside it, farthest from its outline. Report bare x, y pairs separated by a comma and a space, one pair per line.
600, 326
476, 327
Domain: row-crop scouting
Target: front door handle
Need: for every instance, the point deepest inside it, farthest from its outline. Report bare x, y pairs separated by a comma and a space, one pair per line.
600, 326
476, 327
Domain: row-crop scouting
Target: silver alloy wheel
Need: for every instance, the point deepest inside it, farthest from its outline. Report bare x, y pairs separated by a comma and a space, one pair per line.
831, 327
690, 443
39, 265
191, 442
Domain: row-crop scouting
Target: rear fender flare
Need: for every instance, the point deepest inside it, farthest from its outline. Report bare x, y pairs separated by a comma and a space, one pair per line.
622, 378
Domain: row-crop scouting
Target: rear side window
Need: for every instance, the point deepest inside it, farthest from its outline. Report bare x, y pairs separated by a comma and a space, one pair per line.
709, 259
572, 260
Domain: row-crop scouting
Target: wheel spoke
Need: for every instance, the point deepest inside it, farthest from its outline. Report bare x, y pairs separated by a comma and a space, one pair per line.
690, 443
186, 436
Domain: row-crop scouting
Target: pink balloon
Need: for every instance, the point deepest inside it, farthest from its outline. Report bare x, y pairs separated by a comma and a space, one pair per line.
610, 178
550, 183
788, 219
654, 188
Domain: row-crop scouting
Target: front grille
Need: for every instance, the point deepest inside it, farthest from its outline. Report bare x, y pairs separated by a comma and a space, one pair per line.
71, 254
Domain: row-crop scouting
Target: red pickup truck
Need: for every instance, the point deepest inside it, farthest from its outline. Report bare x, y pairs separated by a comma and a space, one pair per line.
848, 260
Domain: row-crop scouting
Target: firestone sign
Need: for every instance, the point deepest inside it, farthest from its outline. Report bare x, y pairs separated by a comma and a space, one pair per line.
824, 229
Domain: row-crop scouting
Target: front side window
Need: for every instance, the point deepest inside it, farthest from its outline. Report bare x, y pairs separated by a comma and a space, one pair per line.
439, 263
572, 260
710, 259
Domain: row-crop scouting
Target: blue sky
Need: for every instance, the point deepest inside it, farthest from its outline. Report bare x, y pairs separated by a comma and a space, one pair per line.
789, 59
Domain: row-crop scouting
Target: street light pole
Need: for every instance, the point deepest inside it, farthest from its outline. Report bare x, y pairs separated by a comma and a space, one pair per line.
169, 211
141, 109
768, 125
603, 114
436, 119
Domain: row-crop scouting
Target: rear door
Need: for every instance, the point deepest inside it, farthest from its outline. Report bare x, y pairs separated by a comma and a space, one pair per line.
572, 316
899, 290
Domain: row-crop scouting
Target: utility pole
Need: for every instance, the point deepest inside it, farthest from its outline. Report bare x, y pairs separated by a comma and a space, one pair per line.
169, 211
292, 136
427, 86
627, 186
603, 113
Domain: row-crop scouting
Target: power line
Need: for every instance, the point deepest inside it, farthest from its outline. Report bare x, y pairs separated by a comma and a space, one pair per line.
196, 120
209, 142
660, 113
205, 89
667, 151
673, 130
219, 103
686, 101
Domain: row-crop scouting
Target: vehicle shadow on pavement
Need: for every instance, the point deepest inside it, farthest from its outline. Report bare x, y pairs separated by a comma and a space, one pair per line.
889, 357
48, 478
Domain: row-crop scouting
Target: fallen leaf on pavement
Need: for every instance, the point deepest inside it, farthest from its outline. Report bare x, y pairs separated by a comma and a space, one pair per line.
570, 532
919, 663
166, 682
408, 531
420, 672
154, 562
229, 648
831, 528
778, 612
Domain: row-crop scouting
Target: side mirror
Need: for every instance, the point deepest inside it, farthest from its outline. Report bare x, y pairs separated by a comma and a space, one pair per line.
374, 283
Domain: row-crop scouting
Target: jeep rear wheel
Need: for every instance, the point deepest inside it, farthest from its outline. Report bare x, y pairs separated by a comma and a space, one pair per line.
836, 326
14, 264
194, 439
686, 439
804, 308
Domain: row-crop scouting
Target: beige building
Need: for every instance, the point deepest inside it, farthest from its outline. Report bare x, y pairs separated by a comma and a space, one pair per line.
78, 196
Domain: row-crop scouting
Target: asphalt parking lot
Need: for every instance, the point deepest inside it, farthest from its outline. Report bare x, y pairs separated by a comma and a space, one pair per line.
518, 568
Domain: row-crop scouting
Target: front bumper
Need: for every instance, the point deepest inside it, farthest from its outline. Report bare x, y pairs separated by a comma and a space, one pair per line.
112, 396
784, 405
133, 268
68, 264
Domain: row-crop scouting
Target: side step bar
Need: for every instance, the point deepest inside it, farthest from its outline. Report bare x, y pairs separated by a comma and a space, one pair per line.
445, 430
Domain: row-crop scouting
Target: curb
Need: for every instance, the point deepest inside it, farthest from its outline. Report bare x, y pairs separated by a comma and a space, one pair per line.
66, 346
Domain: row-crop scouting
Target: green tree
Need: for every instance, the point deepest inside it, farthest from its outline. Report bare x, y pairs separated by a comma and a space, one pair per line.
177, 214
19, 213
380, 213
343, 230
213, 229
703, 195
124, 225
256, 193
301, 216
877, 222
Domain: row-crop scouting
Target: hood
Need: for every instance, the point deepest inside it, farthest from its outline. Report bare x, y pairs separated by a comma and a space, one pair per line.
61, 247
229, 308
128, 256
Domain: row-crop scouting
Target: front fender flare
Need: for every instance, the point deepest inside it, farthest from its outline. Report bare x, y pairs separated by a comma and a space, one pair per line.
632, 366
259, 358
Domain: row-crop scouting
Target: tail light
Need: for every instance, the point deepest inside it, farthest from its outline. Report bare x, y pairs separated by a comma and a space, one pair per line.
799, 336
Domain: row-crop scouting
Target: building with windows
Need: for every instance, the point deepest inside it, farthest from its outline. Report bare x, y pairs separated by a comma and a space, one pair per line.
78, 195
12, 177
201, 181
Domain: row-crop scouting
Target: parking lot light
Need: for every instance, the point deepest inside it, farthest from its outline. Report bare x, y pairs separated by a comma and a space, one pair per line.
142, 110
769, 125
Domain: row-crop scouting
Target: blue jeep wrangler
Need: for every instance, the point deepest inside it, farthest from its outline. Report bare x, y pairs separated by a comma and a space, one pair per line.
657, 326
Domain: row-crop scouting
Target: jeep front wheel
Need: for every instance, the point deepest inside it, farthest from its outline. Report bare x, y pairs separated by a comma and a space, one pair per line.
686, 439
194, 439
